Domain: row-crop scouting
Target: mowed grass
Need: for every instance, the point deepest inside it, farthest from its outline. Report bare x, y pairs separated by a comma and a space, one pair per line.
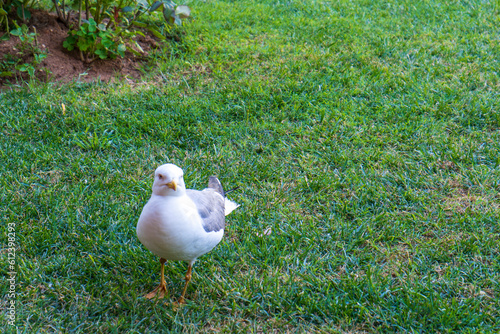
364, 138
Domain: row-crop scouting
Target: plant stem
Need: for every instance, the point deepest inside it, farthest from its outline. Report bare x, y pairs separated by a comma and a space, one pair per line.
97, 17
58, 11
36, 37
80, 14
87, 9
65, 18
24, 16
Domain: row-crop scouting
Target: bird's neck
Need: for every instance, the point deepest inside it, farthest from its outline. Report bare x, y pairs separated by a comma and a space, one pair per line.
162, 192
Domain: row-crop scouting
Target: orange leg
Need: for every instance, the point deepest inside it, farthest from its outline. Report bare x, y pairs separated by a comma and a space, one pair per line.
187, 278
161, 290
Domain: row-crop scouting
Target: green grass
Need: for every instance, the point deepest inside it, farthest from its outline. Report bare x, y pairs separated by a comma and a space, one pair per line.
365, 134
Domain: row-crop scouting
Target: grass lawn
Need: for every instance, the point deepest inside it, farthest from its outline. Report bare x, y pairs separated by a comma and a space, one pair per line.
364, 136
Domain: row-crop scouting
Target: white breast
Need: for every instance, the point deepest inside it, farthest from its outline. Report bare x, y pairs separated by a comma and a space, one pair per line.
170, 227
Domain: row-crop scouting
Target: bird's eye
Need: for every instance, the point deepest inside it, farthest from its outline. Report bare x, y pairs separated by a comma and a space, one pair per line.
160, 176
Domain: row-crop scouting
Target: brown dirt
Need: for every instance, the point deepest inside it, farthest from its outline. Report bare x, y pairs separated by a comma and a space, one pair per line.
65, 66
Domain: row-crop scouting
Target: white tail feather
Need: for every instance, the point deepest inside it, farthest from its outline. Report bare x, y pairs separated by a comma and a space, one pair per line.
229, 206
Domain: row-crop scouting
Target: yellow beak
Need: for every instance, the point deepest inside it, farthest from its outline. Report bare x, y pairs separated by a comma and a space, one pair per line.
172, 185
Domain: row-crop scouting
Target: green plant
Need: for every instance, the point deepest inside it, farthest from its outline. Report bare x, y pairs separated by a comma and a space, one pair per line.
28, 40
94, 39
29, 56
110, 28
4, 18
21, 9
63, 11
172, 14
8, 65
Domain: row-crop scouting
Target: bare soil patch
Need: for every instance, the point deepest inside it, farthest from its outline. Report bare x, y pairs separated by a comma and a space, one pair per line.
65, 66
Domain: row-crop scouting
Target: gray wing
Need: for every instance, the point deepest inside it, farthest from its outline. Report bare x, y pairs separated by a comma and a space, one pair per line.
215, 184
210, 206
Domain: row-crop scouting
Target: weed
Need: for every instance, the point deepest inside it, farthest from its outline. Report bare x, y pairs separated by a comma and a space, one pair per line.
21, 9
29, 56
93, 37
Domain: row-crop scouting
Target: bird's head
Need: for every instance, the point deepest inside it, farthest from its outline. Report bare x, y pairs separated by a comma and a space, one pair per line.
169, 181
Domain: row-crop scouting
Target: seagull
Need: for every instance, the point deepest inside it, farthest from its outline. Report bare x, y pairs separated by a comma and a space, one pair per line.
182, 224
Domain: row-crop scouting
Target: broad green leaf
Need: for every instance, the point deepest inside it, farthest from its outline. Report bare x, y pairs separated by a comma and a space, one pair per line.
16, 32
107, 43
84, 45
69, 43
3, 12
101, 27
121, 49
183, 11
155, 6
167, 13
39, 57
20, 11
127, 9
101, 53
22, 67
